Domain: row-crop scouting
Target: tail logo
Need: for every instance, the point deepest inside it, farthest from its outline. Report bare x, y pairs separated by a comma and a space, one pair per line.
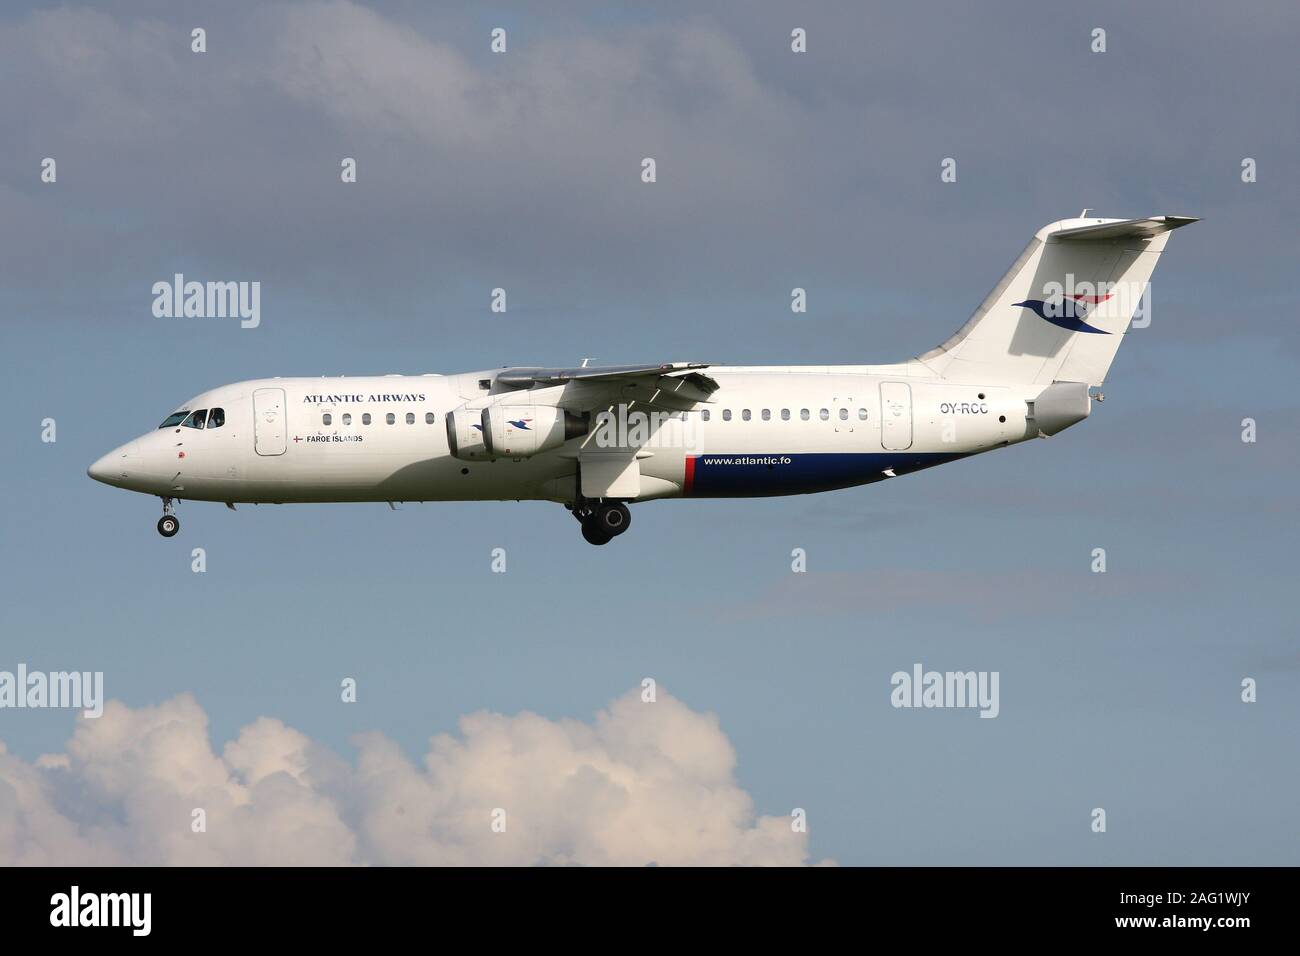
1067, 312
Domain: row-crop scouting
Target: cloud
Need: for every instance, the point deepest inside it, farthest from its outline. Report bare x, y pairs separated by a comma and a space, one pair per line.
452, 144
641, 783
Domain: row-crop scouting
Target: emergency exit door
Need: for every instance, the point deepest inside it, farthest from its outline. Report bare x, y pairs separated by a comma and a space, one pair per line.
895, 415
270, 434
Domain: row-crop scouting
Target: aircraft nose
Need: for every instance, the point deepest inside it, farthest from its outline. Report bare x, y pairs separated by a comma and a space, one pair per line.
113, 467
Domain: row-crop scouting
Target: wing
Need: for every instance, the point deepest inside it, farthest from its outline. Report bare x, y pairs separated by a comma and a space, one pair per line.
670, 386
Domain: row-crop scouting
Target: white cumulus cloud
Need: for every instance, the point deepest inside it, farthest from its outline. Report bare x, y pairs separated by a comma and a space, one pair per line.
643, 782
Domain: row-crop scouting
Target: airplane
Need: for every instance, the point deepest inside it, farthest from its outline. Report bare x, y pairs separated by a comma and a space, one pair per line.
598, 438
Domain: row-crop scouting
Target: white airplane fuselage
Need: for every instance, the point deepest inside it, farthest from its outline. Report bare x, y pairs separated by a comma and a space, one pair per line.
769, 431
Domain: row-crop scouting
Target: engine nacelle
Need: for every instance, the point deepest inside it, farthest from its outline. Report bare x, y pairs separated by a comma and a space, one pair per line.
465, 434
518, 431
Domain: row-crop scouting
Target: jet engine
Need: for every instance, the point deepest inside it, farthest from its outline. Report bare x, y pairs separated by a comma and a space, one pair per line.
465, 434
518, 431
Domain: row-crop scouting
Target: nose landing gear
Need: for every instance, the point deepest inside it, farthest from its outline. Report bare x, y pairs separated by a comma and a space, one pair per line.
602, 522
168, 524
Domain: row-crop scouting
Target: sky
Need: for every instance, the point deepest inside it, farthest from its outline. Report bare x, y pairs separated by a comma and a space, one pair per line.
523, 691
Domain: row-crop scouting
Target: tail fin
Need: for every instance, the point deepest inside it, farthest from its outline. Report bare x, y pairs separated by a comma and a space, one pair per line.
1062, 309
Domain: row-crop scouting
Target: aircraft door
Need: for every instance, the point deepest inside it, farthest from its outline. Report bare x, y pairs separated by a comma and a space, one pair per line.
895, 415
270, 430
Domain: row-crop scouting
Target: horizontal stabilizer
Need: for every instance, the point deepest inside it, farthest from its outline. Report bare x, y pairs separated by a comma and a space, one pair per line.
1124, 229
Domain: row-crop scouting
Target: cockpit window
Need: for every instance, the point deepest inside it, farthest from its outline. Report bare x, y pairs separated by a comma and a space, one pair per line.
216, 418
174, 419
197, 419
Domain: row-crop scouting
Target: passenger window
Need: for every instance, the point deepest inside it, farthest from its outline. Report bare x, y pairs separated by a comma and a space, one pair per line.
745, 414
803, 414
347, 419
844, 414
197, 419
428, 418
726, 414
825, 414
767, 414
862, 414
390, 418
216, 418
410, 418
785, 414
705, 415
326, 419
365, 418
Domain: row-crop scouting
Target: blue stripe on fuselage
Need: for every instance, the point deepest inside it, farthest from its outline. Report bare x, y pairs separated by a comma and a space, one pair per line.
777, 474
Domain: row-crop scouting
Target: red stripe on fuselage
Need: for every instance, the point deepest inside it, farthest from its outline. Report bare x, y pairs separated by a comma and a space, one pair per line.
689, 477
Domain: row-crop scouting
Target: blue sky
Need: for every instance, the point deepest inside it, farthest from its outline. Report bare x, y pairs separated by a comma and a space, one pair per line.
775, 170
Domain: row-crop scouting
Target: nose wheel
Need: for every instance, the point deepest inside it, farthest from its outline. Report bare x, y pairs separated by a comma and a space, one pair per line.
604, 522
168, 524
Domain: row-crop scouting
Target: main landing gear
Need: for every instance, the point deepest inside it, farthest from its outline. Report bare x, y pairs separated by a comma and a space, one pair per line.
602, 521
168, 524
